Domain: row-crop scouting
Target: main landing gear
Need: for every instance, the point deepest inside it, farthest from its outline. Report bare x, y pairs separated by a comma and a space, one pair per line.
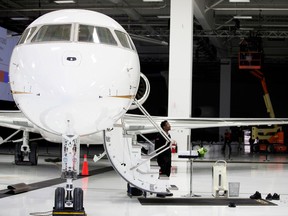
25, 150
69, 201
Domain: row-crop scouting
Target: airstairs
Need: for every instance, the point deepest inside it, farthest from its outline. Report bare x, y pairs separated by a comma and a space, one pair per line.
125, 156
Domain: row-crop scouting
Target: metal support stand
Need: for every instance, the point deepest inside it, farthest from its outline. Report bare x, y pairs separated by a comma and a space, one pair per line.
191, 180
191, 157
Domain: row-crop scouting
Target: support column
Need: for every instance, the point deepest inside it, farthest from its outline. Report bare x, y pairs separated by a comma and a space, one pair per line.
225, 91
180, 66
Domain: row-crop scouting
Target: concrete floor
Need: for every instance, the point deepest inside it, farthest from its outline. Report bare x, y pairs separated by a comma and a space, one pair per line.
105, 194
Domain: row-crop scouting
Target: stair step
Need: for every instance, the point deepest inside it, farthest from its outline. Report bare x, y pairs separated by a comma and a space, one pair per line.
139, 170
136, 146
149, 172
163, 177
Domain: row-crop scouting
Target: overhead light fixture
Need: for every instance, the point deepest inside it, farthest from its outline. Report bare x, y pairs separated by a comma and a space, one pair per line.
242, 17
19, 18
239, 0
163, 17
152, 0
64, 1
246, 29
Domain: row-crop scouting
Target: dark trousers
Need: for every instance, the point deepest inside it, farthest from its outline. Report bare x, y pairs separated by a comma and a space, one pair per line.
229, 146
165, 165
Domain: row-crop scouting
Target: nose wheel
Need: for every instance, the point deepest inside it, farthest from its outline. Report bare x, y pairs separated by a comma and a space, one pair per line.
59, 203
62, 204
78, 199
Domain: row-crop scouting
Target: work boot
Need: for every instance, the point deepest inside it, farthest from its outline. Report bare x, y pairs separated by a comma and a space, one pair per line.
232, 204
269, 197
257, 195
276, 196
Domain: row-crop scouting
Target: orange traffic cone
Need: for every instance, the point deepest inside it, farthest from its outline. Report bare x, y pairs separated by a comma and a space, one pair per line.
85, 171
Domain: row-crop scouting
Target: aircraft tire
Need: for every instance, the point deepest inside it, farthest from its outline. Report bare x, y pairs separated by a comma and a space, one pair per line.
33, 156
18, 156
78, 199
59, 198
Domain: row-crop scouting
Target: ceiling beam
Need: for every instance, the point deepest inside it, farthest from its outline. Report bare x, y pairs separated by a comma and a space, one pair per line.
92, 7
239, 34
206, 20
250, 9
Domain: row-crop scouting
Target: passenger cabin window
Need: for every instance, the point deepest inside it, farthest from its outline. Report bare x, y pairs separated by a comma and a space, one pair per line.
95, 35
53, 33
27, 35
123, 38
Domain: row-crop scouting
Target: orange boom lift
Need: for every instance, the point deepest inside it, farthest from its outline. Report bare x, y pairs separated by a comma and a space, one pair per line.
271, 139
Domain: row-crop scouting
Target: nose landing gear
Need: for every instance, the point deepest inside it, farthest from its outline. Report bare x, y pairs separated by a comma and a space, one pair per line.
61, 208
69, 201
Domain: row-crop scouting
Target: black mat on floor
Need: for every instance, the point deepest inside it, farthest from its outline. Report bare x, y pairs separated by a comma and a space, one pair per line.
205, 201
50, 182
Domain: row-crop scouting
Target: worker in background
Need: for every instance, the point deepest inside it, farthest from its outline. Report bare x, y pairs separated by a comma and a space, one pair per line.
251, 142
240, 138
227, 141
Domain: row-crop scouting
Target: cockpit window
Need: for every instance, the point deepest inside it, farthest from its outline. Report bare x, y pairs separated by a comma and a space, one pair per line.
123, 38
87, 34
53, 33
131, 43
95, 34
27, 35
105, 36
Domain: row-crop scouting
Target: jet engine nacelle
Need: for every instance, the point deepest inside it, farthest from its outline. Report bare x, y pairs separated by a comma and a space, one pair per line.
143, 91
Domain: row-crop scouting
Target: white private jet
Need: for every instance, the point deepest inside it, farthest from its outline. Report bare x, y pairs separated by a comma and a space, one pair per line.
74, 74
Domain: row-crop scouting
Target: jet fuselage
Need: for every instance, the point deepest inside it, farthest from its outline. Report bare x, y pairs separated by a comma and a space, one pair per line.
74, 72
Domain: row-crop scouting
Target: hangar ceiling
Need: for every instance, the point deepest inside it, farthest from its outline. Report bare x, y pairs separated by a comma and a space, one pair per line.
217, 33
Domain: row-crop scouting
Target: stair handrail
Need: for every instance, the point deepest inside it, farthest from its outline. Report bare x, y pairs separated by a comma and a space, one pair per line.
159, 129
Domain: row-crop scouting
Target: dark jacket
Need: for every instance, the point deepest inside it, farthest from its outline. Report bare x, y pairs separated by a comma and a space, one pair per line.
160, 141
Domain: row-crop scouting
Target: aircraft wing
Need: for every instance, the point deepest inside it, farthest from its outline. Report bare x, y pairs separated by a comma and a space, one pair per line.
16, 120
140, 124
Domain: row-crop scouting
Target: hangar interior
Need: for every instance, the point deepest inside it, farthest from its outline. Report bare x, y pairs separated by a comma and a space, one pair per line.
220, 27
